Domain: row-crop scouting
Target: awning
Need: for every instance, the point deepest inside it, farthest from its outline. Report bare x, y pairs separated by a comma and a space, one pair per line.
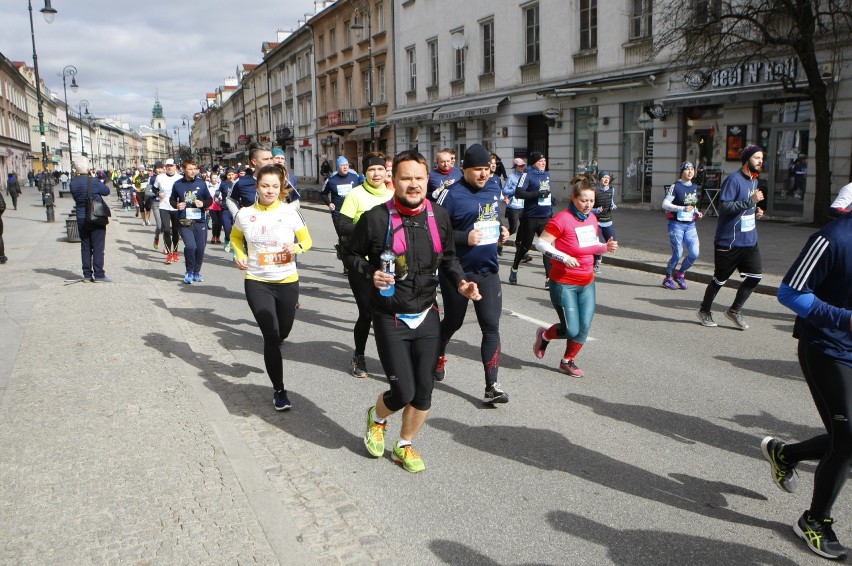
233, 155
363, 133
422, 115
470, 109
724, 96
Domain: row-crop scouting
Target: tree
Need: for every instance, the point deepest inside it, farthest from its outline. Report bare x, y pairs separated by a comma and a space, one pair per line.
716, 33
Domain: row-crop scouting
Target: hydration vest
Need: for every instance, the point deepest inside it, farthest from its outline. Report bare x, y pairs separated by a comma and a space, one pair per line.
397, 234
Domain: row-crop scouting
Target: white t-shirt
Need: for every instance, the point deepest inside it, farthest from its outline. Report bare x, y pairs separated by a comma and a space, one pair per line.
844, 198
266, 231
164, 183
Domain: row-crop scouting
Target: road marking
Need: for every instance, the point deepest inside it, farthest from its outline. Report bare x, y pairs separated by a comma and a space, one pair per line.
536, 321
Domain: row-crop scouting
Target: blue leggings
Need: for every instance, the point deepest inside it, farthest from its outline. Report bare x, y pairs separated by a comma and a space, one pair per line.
575, 305
681, 233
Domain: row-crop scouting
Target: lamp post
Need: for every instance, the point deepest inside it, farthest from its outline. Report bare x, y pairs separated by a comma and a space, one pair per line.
46, 188
364, 6
68, 71
80, 105
185, 123
205, 107
177, 134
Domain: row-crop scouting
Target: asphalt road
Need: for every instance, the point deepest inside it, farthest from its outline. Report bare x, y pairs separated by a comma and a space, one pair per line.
652, 458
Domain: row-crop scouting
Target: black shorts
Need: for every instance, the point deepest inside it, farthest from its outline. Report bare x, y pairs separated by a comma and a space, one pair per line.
745, 260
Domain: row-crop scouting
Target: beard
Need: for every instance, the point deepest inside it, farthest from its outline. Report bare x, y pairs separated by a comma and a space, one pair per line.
753, 168
411, 202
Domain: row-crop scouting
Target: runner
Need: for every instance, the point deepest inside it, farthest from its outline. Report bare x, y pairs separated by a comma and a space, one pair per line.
570, 241
168, 214
474, 208
604, 205
681, 206
535, 190
736, 238
244, 192
372, 192
191, 198
268, 228
125, 184
406, 235
444, 175
152, 201
817, 288
335, 190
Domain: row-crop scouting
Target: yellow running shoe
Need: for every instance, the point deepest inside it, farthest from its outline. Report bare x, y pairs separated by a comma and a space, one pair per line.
408, 458
374, 439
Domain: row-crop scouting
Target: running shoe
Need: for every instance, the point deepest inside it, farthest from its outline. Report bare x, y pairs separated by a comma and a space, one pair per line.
547, 283
103, 279
570, 368
197, 278
176, 256
540, 342
281, 401
597, 267
669, 283
227, 247
156, 243
513, 277
440, 369
527, 258
706, 318
494, 394
359, 366
680, 279
737, 318
168, 258
820, 537
374, 439
407, 457
188, 278
783, 474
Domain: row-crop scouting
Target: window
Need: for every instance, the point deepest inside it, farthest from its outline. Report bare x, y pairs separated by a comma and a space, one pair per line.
379, 10
381, 86
532, 39
349, 99
365, 80
487, 47
347, 30
332, 41
640, 19
433, 62
707, 11
322, 101
411, 57
458, 75
588, 24
321, 46
333, 95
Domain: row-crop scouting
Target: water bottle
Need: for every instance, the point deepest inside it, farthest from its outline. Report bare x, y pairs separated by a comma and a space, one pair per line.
388, 259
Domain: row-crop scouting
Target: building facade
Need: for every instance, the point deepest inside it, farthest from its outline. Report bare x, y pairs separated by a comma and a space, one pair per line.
14, 123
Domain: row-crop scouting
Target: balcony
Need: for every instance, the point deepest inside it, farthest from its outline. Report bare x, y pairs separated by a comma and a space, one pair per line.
344, 116
283, 133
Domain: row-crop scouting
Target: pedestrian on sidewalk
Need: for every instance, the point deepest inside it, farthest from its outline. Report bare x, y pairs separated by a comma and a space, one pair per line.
13, 188
191, 199
3, 258
372, 192
399, 245
816, 288
681, 206
570, 241
92, 236
736, 238
268, 229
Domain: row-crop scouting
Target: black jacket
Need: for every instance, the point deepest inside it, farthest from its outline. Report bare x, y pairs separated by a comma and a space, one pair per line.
416, 291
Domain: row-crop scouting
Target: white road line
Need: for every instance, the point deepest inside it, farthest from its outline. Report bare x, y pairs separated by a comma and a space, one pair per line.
535, 321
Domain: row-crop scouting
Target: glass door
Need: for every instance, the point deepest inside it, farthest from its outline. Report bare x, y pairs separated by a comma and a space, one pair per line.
788, 171
634, 166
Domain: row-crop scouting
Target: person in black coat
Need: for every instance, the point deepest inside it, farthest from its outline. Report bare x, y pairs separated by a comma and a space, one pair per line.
13, 187
92, 236
3, 257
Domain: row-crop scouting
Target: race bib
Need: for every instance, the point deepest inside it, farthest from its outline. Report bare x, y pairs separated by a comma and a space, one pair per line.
192, 213
546, 201
490, 231
747, 222
685, 216
343, 190
586, 236
268, 259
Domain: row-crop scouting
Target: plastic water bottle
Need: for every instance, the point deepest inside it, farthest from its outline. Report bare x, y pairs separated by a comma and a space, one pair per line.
388, 259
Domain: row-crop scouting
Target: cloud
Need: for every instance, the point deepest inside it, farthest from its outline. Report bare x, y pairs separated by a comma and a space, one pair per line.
127, 52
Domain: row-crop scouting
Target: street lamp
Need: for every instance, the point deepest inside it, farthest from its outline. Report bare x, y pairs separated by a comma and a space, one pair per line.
46, 188
185, 123
364, 6
205, 107
177, 134
68, 71
80, 105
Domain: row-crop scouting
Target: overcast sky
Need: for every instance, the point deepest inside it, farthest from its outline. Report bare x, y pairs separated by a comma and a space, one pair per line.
126, 51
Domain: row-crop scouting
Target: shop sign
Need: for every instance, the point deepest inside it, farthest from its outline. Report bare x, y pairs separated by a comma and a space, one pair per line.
645, 122
552, 114
752, 73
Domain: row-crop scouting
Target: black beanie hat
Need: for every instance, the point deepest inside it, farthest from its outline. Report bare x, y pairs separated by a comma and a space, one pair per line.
533, 157
748, 152
477, 156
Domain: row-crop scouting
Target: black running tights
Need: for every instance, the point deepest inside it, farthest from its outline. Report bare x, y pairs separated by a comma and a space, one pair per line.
361, 289
274, 308
171, 229
830, 383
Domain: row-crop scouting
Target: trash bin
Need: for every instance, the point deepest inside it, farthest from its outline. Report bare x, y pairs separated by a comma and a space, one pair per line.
73, 229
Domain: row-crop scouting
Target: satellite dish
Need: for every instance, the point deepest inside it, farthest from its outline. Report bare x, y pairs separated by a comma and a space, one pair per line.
457, 41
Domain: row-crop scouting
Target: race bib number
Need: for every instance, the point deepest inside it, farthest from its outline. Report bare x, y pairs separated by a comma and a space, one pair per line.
685, 216
546, 201
747, 222
343, 190
490, 231
193, 213
268, 259
586, 236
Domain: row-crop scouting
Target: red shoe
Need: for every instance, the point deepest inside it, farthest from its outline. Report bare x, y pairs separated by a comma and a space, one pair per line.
175, 257
168, 257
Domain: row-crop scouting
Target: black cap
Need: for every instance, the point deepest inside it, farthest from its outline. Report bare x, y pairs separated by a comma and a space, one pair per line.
477, 156
534, 156
748, 152
158, 164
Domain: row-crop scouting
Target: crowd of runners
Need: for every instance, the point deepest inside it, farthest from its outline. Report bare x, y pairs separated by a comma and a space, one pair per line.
407, 232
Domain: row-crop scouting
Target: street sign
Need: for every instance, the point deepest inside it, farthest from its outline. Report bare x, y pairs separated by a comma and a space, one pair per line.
37, 129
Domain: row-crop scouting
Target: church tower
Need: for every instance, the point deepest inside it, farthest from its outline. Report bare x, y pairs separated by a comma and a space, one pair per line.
158, 122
